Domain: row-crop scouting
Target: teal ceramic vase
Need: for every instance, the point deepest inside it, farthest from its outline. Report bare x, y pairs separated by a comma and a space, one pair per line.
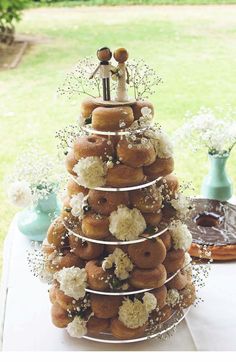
217, 185
35, 221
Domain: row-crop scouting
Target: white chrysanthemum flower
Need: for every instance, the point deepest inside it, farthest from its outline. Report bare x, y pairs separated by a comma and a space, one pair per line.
91, 172
180, 235
146, 117
73, 281
146, 111
126, 224
161, 143
181, 205
77, 328
173, 297
121, 261
77, 203
20, 194
150, 302
133, 314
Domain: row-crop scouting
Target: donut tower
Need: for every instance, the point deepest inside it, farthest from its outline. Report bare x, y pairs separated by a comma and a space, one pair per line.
118, 253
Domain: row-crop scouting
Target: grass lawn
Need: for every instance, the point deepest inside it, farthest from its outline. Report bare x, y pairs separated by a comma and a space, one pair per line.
193, 48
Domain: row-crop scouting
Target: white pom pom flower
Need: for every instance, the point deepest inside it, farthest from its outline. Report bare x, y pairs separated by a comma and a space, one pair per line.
73, 281
149, 301
181, 205
173, 297
126, 224
121, 261
77, 328
133, 314
180, 235
77, 203
91, 172
161, 143
20, 194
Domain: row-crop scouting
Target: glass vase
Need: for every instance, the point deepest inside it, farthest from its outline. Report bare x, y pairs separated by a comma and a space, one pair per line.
217, 185
35, 221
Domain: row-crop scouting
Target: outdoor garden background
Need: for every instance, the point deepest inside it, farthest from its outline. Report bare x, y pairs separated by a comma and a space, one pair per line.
193, 47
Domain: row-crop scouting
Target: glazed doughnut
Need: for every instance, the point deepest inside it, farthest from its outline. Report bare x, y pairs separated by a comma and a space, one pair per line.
52, 293
122, 176
148, 278
120, 331
47, 248
164, 314
166, 238
148, 199
187, 295
59, 316
161, 167
136, 153
174, 260
147, 254
84, 249
105, 306
160, 295
179, 281
112, 118
138, 105
57, 233
87, 106
58, 262
64, 301
171, 185
93, 145
97, 325
95, 226
153, 219
97, 278
104, 202
73, 188
168, 212
70, 162
66, 214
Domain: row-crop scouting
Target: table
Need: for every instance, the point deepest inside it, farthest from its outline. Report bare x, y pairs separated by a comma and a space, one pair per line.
25, 311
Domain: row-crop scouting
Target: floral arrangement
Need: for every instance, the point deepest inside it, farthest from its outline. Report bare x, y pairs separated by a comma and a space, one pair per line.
77, 81
216, 133
142, 79
34, 176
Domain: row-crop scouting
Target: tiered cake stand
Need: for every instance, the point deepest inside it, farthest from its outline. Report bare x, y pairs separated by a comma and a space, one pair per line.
153, 330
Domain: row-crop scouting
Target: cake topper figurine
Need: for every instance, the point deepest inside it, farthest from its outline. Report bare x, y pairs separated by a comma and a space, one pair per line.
121, 55
104, 55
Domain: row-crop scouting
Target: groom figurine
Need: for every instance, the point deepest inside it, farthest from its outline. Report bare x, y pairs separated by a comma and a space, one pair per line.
104, 55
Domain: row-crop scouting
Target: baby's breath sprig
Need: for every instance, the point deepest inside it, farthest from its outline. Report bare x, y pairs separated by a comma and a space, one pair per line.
142, 78
42, 173
66, 136
77, 81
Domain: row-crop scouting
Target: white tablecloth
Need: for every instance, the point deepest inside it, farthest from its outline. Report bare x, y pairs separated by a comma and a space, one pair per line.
26, 324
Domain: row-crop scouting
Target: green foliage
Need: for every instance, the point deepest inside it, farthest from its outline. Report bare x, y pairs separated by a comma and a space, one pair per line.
10, 12
71, 3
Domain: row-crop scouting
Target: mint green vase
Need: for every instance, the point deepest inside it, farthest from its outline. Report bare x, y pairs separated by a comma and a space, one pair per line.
217, 185
35, 221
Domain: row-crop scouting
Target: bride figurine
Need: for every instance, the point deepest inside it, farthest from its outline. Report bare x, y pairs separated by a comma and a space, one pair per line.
121, 55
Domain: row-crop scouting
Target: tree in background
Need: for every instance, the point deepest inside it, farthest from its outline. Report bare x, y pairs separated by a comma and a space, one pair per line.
10, 13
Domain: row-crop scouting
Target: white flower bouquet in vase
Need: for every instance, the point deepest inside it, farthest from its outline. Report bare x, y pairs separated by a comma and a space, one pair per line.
218, 135
33, 186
